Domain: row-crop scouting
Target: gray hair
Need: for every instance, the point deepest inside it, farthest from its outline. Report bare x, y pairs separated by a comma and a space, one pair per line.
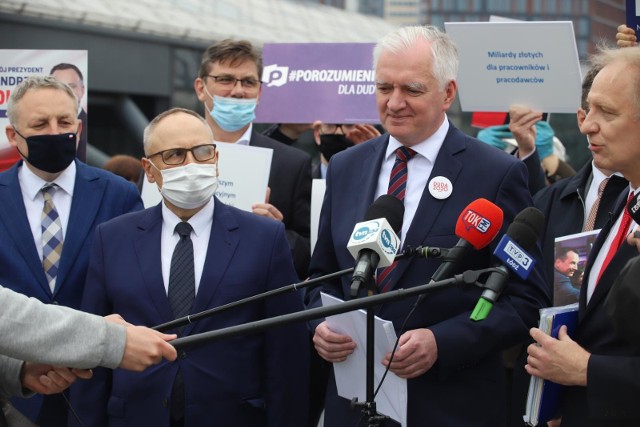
35, 82
443, 50
629, 56
151, 127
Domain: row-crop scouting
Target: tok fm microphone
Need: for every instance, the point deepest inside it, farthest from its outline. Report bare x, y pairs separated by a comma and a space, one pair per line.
634, 208
512, 249
374, 242
477, 225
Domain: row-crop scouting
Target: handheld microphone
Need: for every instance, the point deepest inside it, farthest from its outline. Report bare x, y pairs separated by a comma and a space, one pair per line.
634, 208
521, 237
477, 225
374, 242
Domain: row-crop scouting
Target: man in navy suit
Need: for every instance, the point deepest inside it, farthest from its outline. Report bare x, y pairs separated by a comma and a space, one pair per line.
43, 128
453, 365
228, 84
602, 370
255, 380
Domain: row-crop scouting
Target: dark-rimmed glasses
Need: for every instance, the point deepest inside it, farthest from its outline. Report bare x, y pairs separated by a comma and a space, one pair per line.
177, 156
330, 128
230, 81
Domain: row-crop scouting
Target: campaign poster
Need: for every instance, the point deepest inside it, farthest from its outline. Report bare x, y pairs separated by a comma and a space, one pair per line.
305, 82
18, 64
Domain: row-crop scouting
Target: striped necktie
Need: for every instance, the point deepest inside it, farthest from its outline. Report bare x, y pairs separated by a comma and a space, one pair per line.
397, 188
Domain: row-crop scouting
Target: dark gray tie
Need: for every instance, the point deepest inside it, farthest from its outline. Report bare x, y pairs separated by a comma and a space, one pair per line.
182, 282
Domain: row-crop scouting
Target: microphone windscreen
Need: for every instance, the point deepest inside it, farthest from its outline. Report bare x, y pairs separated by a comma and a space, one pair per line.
634, 208
389, 207
479, 223
526, 227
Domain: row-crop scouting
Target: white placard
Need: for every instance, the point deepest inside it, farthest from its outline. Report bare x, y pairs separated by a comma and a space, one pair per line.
318, 188
504, 63
244, 174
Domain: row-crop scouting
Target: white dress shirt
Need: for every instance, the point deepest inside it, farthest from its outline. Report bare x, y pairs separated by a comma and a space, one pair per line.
201, 223
418, 171
30, 186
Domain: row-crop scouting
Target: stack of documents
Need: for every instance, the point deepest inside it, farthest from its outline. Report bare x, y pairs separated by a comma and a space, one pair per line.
543, 399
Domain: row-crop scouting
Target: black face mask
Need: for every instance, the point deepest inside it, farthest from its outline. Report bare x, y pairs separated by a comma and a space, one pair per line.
50, 153
332, 144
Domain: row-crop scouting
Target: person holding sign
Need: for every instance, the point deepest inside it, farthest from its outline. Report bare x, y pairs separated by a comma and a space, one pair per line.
626, 37
188, 254
228, 84
445, 357
601, 370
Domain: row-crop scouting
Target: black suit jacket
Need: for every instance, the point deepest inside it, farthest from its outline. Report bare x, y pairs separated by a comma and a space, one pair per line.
613, 375
290, 183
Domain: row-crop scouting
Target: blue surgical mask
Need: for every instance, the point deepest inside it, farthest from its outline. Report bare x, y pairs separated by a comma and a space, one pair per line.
232, 114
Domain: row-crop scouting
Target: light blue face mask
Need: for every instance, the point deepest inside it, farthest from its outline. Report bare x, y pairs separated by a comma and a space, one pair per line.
232, 114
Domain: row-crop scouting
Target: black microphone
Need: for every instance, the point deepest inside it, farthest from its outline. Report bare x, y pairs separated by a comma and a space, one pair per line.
374, 242
521, 237
634, 208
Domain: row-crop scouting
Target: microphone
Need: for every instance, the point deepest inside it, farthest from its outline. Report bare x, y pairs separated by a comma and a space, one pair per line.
634, 208
512, 249
374, 242
477, 225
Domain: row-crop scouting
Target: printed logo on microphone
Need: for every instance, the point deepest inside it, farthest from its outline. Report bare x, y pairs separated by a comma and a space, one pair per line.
389, 242
367, 230
516, 258
273, 75
634, 206
473, 220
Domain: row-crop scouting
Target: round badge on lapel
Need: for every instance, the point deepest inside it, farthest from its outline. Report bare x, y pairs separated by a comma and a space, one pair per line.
440, 187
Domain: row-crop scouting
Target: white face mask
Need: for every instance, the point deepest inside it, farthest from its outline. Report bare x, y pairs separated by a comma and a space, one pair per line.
189, 186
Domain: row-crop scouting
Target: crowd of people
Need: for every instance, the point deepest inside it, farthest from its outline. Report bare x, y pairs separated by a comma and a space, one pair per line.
78, 246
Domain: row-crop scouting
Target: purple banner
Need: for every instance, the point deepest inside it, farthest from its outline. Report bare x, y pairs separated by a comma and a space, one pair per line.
304, 82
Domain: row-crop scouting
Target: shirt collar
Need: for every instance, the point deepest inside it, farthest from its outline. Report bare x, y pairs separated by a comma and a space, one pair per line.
428, 148
33, 183
199, 221
244, 139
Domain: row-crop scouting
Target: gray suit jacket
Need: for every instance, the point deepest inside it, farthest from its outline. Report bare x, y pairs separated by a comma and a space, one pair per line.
54, 335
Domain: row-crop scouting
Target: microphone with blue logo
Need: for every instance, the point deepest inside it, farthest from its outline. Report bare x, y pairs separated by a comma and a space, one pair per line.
512, 250
374, 242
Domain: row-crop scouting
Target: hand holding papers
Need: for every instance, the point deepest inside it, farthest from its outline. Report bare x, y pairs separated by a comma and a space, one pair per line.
350, 374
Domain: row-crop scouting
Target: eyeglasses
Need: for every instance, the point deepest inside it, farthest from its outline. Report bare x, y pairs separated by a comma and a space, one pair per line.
177, 156
329, 129
230, 81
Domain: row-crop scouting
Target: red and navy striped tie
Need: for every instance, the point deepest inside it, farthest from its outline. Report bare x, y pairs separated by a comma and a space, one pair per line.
397, 188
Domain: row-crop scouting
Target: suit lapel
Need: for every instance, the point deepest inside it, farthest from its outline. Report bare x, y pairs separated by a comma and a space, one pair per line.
88, 192
223, 242
147, 248
429, 207
622, 255
14, 216
368, 173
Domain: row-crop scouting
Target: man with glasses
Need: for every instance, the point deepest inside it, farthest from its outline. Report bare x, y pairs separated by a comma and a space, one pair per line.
51, 204
228, 84
186, 255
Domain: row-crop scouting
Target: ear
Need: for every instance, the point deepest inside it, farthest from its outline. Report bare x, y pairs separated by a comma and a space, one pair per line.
11, 135
198, 86
450, 93
147, 166
581, 116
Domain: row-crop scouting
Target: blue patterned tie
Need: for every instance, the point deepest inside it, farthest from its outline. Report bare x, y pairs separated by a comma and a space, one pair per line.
51, 236
182, 282
397, 188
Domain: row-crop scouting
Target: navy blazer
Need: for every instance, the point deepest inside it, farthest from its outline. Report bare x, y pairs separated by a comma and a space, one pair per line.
469, 367
97, 197
254, 380
613, 374
290, 183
